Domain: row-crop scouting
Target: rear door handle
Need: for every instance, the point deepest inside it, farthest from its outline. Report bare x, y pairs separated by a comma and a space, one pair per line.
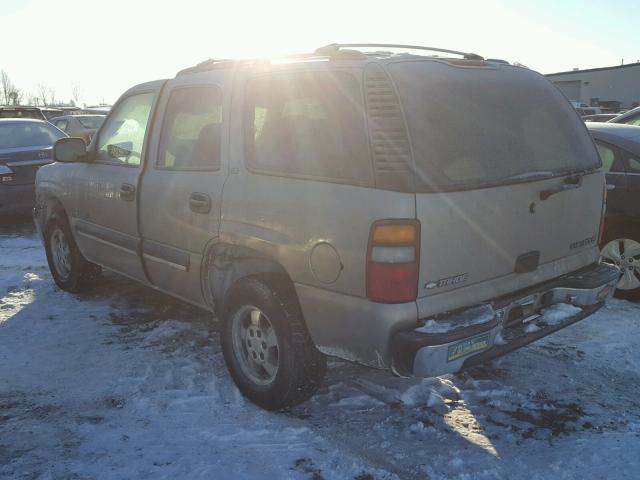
200, 202
127, 192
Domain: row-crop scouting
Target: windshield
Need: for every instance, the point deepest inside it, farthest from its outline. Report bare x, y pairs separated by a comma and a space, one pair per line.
93, 122
28, 134
474, 127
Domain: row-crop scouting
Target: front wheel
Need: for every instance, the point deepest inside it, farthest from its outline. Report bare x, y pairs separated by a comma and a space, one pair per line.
266, 346
623, 250
70, 270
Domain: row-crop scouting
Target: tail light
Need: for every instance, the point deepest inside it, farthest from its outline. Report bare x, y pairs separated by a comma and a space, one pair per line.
602, 215
6, 174
393, 261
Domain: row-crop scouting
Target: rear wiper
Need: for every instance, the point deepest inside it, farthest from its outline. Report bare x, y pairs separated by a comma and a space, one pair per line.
570, 183
528, 176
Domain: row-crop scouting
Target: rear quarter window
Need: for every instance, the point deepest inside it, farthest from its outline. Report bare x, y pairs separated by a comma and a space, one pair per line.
307, 124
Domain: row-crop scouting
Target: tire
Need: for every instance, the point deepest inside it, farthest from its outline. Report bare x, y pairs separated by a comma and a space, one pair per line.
299, 366
69, 269
621, 246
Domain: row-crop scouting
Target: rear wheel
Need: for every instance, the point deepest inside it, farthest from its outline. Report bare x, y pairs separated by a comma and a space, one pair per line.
266, 345
622, 248
70, 270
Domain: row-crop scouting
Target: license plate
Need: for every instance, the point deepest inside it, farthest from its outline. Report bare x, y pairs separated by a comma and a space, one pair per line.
468, 346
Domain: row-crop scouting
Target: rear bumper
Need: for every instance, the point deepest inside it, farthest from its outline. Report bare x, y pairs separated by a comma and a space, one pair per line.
458, 340
16, 198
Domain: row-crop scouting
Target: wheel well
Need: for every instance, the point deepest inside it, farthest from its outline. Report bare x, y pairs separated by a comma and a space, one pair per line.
619, 223
225, 264
46, 206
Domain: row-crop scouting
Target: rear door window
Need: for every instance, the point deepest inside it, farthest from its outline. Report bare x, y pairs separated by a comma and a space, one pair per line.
122, 138
474, 127
307, 124
192, 130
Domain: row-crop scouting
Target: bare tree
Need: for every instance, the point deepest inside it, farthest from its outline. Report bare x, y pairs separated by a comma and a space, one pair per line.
52, 95
41, 93
7, 87
15, 96
76, 93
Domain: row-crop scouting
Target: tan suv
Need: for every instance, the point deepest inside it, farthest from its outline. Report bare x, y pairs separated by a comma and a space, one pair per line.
409, 212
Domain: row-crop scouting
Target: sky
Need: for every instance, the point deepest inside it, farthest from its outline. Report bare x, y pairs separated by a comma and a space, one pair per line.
103, 47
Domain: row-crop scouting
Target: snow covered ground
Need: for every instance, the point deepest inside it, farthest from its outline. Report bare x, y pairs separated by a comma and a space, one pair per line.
123, 382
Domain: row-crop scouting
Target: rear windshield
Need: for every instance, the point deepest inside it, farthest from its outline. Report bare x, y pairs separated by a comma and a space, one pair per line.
20, 113
473, 127
91, 122
28, 134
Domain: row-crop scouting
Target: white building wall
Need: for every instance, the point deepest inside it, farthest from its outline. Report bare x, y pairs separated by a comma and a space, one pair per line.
616, 83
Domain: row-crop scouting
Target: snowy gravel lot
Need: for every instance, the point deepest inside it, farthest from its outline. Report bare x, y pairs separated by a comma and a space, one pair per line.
123, 382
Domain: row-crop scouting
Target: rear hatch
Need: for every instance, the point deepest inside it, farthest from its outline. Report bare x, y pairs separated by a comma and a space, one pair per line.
488, 143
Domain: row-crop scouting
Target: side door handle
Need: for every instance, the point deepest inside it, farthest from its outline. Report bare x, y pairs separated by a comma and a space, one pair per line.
127, 192
200, 202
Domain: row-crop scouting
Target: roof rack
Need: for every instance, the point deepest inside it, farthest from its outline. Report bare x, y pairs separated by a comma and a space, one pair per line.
334, 48
331, 50
213, 63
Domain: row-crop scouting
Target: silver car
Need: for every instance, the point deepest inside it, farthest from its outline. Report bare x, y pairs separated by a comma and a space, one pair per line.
407, 211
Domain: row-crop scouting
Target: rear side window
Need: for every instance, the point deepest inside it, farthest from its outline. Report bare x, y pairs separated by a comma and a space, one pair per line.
307, 124
610, 162
122, 138
91, 122
475, 127
28, 134
633, 162
192, 130
62, 125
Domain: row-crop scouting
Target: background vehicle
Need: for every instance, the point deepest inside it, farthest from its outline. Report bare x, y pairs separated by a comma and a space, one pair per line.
602, 117
632, 117
82, 126
583, 109
50, 112
21, 112
341, 206
25, 145
619, 148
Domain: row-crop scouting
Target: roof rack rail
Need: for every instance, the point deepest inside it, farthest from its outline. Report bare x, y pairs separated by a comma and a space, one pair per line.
213, 63
335, 48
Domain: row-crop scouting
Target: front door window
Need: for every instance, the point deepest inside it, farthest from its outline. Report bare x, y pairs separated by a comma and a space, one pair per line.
122, 138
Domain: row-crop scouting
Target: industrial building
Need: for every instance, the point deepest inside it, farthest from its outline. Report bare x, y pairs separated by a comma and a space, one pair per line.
613, 88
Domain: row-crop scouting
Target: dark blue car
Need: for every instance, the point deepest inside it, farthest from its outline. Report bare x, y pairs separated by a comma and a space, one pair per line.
25, 145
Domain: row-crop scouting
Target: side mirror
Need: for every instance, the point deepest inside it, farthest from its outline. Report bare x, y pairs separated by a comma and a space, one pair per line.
69, 150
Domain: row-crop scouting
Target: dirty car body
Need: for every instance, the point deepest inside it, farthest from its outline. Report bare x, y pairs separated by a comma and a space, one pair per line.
351, 180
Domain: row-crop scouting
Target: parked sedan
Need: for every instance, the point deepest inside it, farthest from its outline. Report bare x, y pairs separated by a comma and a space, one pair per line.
82, 126
25, 145
600, 117
632, 117
619, 148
